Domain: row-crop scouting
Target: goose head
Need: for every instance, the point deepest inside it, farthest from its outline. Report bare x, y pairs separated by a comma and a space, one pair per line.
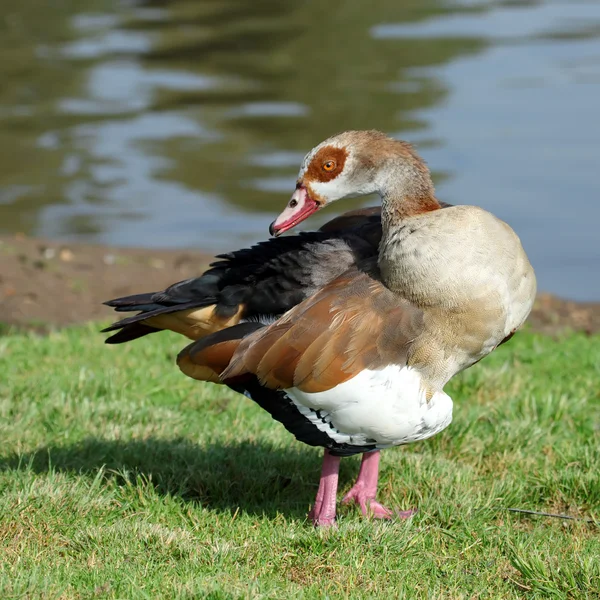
351, 164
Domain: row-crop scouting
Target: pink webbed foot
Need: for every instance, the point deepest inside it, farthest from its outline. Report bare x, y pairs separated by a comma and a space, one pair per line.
321, 519
368, 505
371, 508
363, 492
323, 512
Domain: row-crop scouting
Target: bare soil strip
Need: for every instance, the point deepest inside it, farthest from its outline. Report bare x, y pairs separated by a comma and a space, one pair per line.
47, 283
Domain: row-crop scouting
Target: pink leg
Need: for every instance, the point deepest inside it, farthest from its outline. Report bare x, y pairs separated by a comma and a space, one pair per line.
323, 512
363, 492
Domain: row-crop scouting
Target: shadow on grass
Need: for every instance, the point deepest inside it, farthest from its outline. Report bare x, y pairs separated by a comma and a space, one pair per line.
255, 478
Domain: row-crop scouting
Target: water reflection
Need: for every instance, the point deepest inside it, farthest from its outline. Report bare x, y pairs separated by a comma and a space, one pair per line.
182, 123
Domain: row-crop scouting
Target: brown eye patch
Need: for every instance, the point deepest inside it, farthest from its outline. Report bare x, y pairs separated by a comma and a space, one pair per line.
326, 164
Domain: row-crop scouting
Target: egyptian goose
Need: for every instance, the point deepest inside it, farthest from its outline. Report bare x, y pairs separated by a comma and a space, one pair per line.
260, 282
361, 365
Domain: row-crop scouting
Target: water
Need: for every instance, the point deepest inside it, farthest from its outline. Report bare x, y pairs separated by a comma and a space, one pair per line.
182, 124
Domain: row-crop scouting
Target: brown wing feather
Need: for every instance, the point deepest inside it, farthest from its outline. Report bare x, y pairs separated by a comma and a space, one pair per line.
250, 355
194, 323
206, 359
207, 364
305, 376
351, 324
325, 369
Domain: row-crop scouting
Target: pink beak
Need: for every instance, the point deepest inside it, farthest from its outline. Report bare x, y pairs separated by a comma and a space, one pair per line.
300, 207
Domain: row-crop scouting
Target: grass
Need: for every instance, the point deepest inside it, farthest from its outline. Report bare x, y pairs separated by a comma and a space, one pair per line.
121, 478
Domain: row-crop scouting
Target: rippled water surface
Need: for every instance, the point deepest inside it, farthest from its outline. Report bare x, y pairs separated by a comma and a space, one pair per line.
183, 123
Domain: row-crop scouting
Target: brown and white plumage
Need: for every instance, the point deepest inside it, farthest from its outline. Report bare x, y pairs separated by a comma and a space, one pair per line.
351, 324
365, 359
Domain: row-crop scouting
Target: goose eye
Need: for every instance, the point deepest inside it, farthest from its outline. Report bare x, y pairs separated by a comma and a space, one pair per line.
329, 166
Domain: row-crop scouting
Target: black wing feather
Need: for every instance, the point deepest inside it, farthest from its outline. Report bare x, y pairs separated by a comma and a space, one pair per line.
267, 279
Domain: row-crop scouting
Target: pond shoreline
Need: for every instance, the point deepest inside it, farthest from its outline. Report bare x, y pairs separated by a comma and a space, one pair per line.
45, 283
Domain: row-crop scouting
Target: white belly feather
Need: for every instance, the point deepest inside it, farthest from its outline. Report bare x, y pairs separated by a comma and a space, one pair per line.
387, 406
